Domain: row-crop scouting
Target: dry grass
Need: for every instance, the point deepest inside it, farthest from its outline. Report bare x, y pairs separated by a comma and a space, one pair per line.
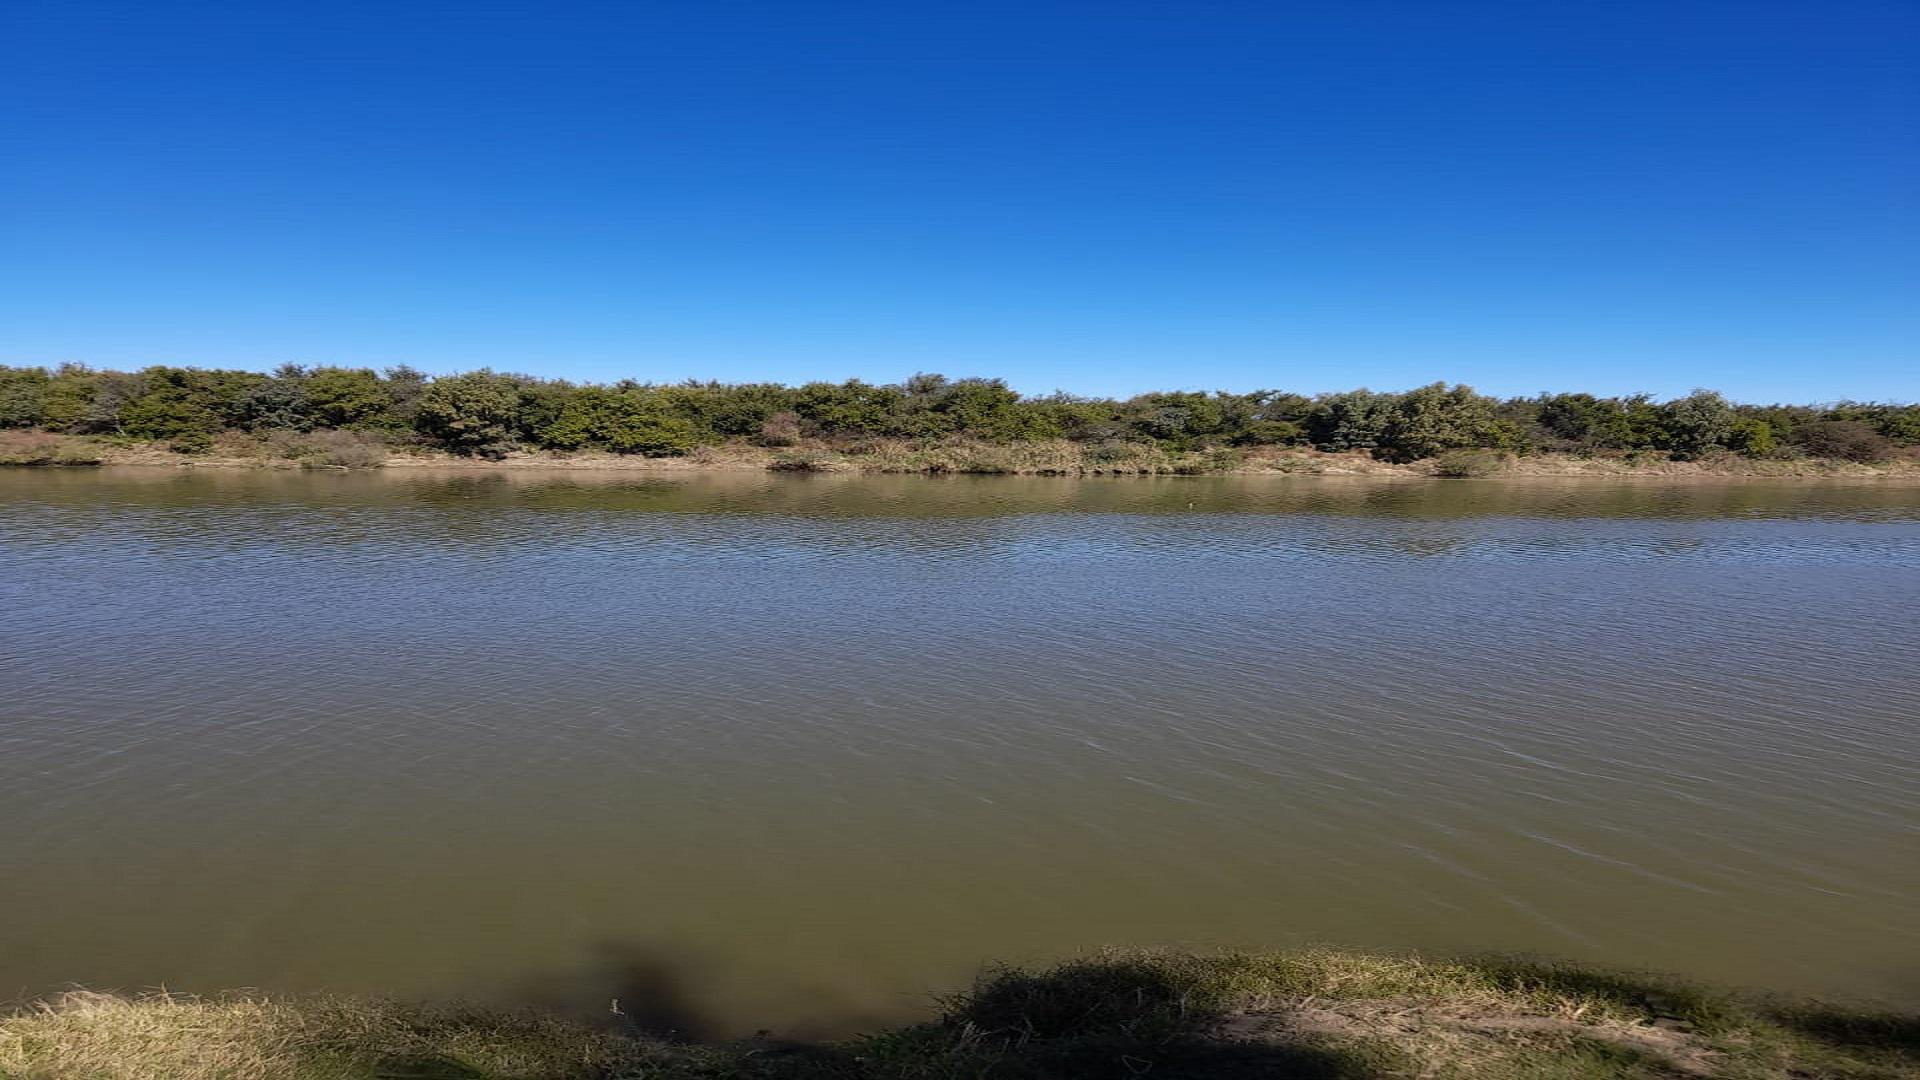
334, 449
45, 448
1318, 1013
113, 1038
87, 1036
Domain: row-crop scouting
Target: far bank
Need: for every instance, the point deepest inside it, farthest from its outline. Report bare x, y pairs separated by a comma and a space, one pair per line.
366, 450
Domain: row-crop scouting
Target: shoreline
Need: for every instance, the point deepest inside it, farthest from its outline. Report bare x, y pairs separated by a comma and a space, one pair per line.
1055, 459
1326, 1013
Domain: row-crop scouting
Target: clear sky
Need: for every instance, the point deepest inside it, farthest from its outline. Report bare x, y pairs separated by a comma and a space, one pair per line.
1101, 197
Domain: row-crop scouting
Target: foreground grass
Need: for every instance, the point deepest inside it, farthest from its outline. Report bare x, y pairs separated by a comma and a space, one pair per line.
1316, 1014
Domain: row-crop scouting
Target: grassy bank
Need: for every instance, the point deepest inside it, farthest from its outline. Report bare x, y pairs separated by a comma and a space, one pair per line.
1326, 1014
1046, 457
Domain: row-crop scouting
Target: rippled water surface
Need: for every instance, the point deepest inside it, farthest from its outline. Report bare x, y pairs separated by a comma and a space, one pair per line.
756, 750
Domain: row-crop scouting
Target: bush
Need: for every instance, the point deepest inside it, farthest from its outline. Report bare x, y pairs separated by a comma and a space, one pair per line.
1693, 425
473, 414
1471, 464
1902, 427
346, 450
1848, 440
345, 397
170, 408
23, 397
627, 420
780, 429
1437, 418
1356, 420
1751, 436
1270, 433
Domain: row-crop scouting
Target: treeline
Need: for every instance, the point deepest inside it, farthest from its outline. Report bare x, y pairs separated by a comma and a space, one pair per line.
487, 414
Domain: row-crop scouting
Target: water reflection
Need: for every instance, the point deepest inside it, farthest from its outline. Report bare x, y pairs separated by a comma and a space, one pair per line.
829, 495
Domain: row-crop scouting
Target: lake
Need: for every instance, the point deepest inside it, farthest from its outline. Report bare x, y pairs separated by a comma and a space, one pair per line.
748, 750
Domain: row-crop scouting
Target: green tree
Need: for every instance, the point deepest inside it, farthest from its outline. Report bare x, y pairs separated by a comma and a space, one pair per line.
627, 420
1355, 420
1901, 426
1751, 436
1590, 423
170, 408
405, 387
1435, 418
23, 396
718, 410
1693, 425
81, 400
279, 402
1270, 433
228, 394
1179, 419
985, 408
541, 403
475, 414
346, 397
1078, 418
849, 408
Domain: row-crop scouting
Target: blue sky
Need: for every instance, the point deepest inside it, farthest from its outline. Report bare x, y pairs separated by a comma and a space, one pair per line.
1102, 197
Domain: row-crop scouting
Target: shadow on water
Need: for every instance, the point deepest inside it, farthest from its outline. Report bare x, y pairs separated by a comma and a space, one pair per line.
665, 991
629, 987
1095, 1018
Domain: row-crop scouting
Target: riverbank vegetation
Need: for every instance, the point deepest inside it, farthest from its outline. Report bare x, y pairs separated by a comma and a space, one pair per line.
357, 417
1323, 1013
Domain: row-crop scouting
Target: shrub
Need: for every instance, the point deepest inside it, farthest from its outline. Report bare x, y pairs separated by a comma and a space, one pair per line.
473, 413
1471, 464
346, 449
780, 429
23, 395
628, 420
1356, 420
1692, 425
1751, 436
1434, 419
1847, 440
1270, 433
345, 397
169, 408
1903, 426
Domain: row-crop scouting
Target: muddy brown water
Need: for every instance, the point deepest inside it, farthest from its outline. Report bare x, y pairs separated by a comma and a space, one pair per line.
754, 751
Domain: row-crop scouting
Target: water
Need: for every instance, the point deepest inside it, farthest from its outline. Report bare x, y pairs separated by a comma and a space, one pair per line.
796, 751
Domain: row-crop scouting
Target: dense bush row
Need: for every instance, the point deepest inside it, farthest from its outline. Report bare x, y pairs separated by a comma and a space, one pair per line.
484, 413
